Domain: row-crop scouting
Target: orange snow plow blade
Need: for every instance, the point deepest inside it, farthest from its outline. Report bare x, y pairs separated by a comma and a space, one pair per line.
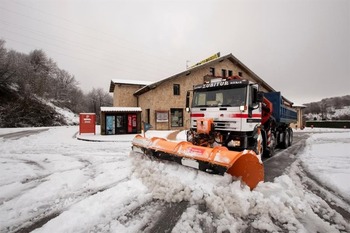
245, 165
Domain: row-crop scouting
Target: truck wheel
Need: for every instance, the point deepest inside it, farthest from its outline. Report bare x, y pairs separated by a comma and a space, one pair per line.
286, 139
260, 144
270, 151
290, 136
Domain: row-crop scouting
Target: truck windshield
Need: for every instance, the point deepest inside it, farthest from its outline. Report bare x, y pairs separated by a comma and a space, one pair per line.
233, 97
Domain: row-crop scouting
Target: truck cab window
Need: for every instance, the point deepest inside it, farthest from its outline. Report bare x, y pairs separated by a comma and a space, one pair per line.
234, 97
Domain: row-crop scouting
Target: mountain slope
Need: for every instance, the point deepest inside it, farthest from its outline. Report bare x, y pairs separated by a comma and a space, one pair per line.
28, 111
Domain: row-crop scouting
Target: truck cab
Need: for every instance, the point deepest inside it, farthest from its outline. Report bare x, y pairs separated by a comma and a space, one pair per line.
233, 113
233, 108
231, 104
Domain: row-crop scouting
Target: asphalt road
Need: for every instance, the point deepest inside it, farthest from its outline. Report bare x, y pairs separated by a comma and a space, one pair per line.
276, 165
21, 134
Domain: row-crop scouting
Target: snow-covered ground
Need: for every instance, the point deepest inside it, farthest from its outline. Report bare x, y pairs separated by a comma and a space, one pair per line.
84, 186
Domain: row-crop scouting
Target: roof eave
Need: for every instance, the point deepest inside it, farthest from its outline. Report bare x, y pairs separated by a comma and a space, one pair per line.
232, 58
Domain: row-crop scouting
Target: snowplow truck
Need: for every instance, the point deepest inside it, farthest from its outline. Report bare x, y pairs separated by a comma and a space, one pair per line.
232, 125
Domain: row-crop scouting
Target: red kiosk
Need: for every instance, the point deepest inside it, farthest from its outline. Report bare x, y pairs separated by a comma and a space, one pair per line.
87, 122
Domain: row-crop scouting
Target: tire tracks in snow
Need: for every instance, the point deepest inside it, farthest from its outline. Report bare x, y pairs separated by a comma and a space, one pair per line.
153, 216
142, 217
334, 200
34, 182
52, 210
41, 219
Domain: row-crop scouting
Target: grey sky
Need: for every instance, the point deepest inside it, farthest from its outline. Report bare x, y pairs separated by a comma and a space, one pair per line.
299, 47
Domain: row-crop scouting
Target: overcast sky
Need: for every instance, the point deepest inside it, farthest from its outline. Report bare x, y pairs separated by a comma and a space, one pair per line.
299, 47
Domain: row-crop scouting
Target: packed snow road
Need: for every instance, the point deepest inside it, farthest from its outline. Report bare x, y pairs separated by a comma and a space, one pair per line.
52, 182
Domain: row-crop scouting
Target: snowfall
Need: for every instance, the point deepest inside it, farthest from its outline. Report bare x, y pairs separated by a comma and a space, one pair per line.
94, 183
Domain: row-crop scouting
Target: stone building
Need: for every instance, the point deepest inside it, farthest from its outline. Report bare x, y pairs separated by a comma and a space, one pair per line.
300, 124
163, 102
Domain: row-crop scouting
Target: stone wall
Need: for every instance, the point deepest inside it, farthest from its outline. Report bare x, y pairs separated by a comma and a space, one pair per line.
123, 95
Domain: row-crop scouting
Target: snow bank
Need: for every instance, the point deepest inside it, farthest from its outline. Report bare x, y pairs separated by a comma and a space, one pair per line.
70, 117
327, 157
277, 206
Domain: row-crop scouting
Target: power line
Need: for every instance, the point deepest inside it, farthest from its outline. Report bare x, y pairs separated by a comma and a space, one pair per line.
151, 70
95, 63
147, 61
132, 47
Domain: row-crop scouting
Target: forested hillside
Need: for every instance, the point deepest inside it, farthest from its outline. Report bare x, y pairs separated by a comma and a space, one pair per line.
336, 108
31, 83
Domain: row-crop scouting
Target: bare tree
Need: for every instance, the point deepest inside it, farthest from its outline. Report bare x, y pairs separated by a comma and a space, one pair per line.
42, 67
98, 98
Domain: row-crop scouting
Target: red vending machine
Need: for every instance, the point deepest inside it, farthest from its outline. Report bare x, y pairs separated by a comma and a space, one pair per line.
132, 123
87, 122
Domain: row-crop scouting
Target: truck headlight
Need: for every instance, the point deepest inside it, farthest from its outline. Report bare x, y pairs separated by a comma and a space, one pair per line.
234, 143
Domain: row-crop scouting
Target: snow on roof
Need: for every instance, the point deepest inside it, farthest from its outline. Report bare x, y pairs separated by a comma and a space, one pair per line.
121, 109
130, 81
299, 105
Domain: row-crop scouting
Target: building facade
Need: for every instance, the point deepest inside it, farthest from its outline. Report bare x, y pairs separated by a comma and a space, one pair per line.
163, 103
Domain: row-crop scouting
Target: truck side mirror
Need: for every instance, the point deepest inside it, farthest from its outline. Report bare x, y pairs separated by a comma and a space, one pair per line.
259, 97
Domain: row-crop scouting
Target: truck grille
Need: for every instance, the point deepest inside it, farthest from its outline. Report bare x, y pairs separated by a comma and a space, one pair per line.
221, 125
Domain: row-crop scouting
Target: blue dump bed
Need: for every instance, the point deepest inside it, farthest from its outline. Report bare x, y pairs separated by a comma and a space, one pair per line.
281, 112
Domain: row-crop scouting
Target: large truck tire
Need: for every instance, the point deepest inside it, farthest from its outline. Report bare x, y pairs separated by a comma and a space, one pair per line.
268, 152
290, 136
286, 139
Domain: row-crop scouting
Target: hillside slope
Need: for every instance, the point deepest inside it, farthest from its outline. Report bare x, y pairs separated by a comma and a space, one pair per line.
29, 111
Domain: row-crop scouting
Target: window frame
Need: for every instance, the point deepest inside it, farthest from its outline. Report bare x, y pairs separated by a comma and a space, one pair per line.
212, 71
180, 121
176, 89
223, 73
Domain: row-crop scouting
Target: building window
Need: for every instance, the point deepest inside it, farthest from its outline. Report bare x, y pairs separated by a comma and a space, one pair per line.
230, 73
240, 74
223, 73
176, 89
176, 117
148, 116
212, 71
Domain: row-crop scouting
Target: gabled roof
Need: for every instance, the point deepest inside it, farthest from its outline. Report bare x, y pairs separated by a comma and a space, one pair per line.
230, 57
127, 82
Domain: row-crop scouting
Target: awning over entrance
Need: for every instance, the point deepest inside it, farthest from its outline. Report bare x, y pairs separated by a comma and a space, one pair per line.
121, 109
